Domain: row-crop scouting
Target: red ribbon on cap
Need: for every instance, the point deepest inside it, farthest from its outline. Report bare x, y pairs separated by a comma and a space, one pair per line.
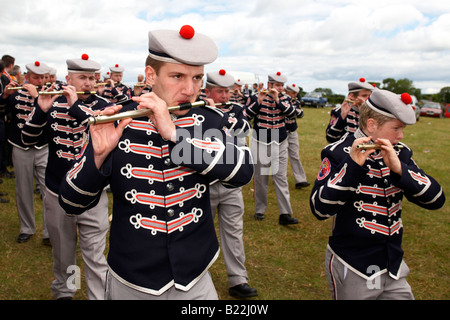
84, 56
222, 72
187, 32
406, 98
37, 63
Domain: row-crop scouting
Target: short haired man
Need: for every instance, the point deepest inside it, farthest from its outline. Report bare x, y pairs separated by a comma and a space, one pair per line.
63, 118
269, 145
29, 161
293, 144
115, 90
228, 202
162, 237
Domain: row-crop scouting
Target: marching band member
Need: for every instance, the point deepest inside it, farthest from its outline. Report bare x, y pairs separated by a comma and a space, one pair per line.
345, 118
29, 162
63, 119
162, 236
293, 144
363, 191
236, 94
269, 146
228, 202
116, 91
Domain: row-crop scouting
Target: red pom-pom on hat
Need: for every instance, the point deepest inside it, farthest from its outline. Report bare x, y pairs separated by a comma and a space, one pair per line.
187, 32
37, 63
84, 56
222, 72
117, 65
362, 80
278, 73
293, 85
406, 98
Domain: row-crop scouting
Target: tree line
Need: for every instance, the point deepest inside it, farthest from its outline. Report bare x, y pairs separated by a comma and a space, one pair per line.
397, 86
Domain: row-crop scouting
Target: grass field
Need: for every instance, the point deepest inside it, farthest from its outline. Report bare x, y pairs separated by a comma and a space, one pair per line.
283, 262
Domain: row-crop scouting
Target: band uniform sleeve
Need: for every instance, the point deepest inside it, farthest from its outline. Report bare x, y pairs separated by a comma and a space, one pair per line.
418, 187
82, 186
252, 107
336, 182
335, 128
213, 151
34, 126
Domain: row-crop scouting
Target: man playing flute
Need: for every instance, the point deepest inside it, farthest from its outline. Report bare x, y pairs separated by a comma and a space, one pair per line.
228, 202
159, 167
29, 161
63, 118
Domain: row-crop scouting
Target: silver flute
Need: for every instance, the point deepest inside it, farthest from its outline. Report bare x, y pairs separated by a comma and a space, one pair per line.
143, 112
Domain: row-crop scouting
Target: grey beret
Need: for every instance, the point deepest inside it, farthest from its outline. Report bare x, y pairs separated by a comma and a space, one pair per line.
292, 87
82, 65
392, 105
220, 79
184, 46
52, 71
277, 77
117, 69
37, 68
362, 84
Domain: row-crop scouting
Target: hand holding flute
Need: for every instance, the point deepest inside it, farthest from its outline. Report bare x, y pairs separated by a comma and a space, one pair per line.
362, 149
101, 118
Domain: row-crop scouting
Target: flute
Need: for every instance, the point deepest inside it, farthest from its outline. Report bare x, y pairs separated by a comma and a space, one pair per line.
18, 88
267, 91
47, 93
349, 101
143, 112
376, 146
105, 83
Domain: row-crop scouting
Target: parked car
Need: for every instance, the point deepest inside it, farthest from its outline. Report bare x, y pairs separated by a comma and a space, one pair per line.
447, 111
314, 99
432, 109
415, 106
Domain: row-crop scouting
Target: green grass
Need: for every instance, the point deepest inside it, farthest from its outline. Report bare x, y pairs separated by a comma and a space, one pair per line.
283, 262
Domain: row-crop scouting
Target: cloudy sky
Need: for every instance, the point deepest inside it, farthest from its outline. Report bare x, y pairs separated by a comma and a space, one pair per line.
324, 43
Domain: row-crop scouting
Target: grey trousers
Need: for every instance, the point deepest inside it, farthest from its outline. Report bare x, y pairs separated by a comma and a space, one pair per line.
271, 160
203, 290
294, 158
347, 285
91, 227
29, 164
229, 205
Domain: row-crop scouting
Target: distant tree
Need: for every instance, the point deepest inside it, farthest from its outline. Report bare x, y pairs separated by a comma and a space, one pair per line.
401, 86
444, 95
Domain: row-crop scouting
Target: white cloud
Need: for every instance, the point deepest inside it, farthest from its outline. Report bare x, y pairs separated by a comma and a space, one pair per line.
316, 43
